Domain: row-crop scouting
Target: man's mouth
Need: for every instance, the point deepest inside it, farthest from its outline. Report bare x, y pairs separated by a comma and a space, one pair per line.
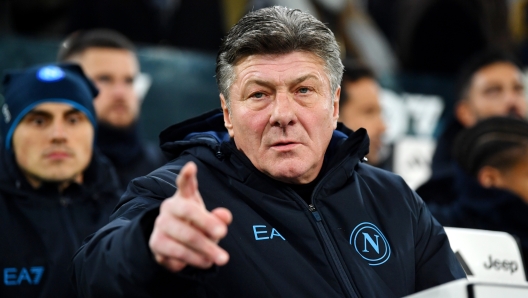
57, 155
284, 145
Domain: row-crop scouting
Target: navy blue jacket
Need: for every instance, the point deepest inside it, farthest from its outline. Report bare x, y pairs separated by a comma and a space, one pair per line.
439, 188
365, 233
477, 207
130, 155
40, 229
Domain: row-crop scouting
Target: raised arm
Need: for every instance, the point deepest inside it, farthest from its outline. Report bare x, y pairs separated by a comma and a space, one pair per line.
150, 235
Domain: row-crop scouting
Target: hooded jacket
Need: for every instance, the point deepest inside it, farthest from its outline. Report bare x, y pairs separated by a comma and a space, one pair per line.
365, 233
40, 229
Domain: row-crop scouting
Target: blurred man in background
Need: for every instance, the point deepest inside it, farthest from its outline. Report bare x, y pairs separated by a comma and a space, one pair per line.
359, 106
108, 58
491, 84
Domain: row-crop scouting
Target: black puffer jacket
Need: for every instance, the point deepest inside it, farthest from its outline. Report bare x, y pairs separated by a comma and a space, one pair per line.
40, 229
364, 233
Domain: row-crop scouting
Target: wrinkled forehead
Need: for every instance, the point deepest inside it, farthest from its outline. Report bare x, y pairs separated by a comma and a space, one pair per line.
294, 64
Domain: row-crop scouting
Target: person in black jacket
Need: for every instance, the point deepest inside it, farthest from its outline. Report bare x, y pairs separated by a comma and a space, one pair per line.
491, 174
306, 216
55, 187
491, 84
108, 58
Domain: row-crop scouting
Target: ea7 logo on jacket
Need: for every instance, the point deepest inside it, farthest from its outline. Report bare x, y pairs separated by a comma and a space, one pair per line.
370, 243
15, 276
262, 232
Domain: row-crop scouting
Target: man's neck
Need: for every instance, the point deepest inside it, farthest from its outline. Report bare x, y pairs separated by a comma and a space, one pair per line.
121, 145
36, 182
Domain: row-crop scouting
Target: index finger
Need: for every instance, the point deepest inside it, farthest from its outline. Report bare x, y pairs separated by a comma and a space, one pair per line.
187, 183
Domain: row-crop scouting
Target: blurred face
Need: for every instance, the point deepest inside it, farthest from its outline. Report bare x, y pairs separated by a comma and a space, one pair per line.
363, 109
496, 90
282, 114
113, 72
53, 143
514, 179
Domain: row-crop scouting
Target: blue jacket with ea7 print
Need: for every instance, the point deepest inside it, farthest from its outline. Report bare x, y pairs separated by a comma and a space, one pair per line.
364, 233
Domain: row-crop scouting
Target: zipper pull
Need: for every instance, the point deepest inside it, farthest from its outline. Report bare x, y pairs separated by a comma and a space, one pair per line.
312, 209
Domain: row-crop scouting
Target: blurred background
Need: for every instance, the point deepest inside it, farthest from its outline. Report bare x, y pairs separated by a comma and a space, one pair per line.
415, 48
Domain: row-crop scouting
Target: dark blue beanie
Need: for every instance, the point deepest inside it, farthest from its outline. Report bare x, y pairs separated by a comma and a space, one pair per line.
26, 89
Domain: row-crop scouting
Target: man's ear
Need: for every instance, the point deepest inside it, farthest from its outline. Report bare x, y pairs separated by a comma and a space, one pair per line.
490, 177
464, 114
335, 104
227, 116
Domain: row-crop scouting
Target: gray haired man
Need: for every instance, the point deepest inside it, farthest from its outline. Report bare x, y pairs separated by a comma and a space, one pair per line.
306, 217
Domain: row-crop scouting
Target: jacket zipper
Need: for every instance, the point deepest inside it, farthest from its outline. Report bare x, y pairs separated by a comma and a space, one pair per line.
350, 288
333, 253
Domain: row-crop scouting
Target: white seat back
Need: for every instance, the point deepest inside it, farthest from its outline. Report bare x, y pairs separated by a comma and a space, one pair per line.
487, 255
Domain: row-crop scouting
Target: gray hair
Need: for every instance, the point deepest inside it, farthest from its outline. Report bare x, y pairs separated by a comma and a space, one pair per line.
277, 30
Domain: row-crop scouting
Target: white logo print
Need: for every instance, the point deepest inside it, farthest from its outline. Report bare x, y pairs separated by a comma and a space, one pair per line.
50, 73
6, 113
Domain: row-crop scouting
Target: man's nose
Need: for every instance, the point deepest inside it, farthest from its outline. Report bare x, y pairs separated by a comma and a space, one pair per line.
58, 131
517, 103
120, 89
283, 113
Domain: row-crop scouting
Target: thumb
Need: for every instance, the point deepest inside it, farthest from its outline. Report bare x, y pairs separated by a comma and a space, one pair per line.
186, 181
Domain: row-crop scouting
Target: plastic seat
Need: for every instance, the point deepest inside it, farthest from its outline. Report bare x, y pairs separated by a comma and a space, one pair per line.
487, 255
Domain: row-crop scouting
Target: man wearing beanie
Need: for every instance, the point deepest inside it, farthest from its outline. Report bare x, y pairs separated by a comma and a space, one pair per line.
108, 58
55, 188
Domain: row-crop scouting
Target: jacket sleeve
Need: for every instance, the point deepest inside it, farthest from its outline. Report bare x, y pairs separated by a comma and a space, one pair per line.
116, 261
435, 261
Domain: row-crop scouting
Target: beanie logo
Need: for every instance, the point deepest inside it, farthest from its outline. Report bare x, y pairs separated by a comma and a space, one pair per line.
50, 74
6, 113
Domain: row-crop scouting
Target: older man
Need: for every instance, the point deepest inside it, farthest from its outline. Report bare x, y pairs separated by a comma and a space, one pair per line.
306, 217
55, 187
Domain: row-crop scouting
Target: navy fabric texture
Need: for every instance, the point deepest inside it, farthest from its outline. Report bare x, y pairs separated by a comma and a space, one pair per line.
360, 226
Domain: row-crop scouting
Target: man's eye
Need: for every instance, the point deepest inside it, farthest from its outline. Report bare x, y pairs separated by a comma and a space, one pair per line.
493, 90
39, 121
258, 95
103, 80
304, 90
73, 119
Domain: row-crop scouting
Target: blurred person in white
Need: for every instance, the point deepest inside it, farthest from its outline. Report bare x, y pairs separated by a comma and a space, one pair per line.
359, 106
108, 58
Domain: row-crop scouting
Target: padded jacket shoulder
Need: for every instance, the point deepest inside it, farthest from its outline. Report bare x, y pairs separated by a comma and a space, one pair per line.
364, 233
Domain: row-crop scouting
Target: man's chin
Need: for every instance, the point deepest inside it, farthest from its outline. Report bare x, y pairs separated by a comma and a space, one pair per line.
120, 122
292, 176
